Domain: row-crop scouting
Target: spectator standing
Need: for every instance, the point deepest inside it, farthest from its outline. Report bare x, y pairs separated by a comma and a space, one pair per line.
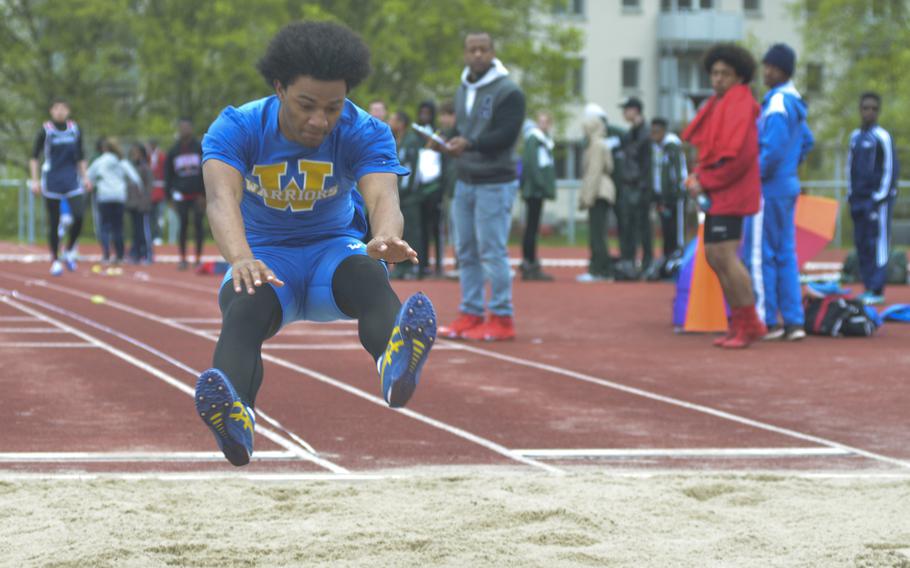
63, 176
409, 144
109, 173
668, 165
139, 204
726, 135
183, 178
447, 180
598, 194
429, 168
157, 160
872, 174
378, 110
784, 139
635, 198
490, 109
538, 182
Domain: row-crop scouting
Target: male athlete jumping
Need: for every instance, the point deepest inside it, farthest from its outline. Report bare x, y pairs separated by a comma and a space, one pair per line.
279, 174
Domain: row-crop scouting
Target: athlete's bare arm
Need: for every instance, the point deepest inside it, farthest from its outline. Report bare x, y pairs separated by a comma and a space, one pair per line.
380, 193
223, 192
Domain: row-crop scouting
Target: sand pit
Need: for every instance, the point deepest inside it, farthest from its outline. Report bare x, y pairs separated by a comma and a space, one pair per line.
464, 517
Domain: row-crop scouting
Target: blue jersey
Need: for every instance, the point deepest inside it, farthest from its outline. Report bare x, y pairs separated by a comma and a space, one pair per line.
872, 167
62, 149
296, 195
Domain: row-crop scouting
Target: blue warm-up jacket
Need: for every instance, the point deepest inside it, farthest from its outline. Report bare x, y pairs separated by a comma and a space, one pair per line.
784, 138
871, 166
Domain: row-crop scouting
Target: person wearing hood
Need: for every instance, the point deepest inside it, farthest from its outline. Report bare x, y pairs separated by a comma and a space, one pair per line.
770, 236
669, 170
598, 194
489, 109
538, 182
429, 168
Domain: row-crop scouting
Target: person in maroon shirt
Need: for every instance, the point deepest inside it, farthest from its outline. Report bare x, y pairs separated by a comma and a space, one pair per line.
727, 182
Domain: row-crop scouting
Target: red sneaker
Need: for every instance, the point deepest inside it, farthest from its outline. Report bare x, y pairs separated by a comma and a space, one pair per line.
464, 323
749, 330
497, 328
732, 324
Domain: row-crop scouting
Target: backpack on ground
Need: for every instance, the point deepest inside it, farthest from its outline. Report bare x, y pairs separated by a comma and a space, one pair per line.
836, 315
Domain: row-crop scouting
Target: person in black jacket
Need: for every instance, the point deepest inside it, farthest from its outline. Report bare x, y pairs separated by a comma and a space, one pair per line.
183, 180
636, 194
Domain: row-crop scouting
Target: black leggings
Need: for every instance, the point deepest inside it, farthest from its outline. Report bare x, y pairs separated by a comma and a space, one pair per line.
197, 206
361, 290
431, 230
52, 206
532, 226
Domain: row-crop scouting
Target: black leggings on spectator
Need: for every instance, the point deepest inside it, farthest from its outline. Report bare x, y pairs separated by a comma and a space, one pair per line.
52, 206
532, 226
197, 207
361, 290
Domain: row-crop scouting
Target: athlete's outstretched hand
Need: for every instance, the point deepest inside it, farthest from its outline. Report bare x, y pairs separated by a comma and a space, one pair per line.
391, 249
251, 273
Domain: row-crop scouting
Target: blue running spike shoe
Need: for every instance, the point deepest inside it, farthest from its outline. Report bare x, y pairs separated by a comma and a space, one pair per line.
410, 343
231, 421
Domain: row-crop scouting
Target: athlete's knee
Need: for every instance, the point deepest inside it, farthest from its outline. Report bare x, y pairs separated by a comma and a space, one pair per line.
259, 312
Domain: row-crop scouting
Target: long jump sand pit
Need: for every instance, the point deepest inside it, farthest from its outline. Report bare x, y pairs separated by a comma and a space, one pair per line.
462, 517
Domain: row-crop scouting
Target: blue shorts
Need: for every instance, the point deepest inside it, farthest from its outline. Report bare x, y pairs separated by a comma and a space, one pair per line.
307, 273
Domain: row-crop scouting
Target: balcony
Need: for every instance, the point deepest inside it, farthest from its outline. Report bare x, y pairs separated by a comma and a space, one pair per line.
698, 28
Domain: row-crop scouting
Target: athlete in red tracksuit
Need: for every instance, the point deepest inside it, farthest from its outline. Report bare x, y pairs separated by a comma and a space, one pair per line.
726, 135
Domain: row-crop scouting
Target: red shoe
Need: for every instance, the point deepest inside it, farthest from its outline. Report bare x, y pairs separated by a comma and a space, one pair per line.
749, 330
464, 323
497, 328
732, 323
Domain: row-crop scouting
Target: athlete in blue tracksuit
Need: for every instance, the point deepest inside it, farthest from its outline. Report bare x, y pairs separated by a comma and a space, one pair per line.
770, 236
872, 171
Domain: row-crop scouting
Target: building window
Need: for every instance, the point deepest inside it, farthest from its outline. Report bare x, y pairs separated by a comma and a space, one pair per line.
814, 78
569, 8
752, 7
631, 5
684, 5
707, 4
630, 74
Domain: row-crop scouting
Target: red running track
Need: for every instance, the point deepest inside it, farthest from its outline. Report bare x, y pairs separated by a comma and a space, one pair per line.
596, 377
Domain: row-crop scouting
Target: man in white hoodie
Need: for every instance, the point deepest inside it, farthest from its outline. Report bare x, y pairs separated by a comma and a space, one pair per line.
489, 111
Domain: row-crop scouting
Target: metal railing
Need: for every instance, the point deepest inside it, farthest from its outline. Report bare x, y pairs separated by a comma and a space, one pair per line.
31, 219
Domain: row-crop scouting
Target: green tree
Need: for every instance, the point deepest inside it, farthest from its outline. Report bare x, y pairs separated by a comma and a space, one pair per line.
131, 67
863, 45
81, 53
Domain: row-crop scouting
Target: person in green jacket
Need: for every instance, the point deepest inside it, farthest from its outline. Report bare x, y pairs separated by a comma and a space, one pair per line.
538, 182
409, 145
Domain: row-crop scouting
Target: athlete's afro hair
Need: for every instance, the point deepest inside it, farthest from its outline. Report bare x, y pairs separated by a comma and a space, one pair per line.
733, 55
321, 50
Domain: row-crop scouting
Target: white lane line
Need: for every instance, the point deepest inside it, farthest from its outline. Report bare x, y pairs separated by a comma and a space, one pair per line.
684, 404
301, 332
619, 453
192, 476
17, 319
29, 330
154, 371
164, 357
195, 320
331, 347
464, 434
112, 457
45, 345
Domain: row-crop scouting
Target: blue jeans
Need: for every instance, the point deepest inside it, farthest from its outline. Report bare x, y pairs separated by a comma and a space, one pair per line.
482, 215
